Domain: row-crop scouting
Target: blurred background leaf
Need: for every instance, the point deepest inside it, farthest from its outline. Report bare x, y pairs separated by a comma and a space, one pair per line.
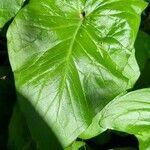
142, 46
7, 98
19, 134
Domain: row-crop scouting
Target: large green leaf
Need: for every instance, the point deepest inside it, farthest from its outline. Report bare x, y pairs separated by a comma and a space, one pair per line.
70, 58
8, 9
129, 113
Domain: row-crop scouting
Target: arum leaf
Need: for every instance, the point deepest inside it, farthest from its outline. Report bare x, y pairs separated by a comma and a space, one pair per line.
8, 9
70, 58
129, 113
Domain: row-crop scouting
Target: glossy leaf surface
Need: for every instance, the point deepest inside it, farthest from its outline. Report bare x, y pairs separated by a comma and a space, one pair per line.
8, 9
70, 58
129, 113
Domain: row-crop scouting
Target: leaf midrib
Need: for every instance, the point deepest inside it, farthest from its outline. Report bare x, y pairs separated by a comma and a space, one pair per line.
67, 62
69, 55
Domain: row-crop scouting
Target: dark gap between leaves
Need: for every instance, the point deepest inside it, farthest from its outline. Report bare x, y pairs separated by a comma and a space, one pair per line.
111, 139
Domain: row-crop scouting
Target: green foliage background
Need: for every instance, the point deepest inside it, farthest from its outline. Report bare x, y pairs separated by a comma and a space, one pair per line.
104, 112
